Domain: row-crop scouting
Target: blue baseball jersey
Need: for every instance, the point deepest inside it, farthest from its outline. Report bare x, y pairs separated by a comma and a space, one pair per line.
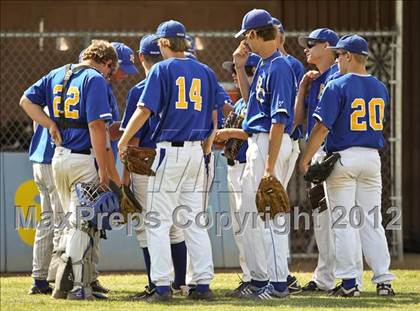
183, 94
113, 106
352, 107
314, 95
240, 109
86, 101
145, 133
271, 96
222, 99
41, 149
297, 67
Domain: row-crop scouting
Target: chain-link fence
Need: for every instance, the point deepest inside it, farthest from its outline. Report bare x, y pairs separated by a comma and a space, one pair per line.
25, 57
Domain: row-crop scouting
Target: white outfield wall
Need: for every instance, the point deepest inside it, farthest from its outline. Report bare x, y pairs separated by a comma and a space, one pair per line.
18, 194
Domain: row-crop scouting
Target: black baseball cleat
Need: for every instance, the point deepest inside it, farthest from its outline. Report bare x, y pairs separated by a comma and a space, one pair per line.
144, 294
293, 285
311, 286
384, 289
196, 295
340, 291
98, 288
35, 290
237, 291
155, 297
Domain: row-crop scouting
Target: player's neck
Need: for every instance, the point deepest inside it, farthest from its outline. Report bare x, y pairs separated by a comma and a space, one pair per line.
267, 49
172, 54
324, 64
282, 50
358, 69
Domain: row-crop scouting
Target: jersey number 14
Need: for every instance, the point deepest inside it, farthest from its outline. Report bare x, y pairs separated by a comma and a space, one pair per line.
194, 94
376, 107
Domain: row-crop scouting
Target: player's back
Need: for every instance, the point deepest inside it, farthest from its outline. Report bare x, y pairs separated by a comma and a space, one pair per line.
185, 91
360, 113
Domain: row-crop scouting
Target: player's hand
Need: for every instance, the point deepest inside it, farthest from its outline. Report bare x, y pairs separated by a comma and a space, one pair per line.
303, 166
268, 173
55, 134
308, 78
222, 135
240, 55
103, 177
121, 146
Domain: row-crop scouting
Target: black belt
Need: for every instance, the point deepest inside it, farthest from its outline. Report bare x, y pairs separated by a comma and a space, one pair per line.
177, 144
85, 151
231, 162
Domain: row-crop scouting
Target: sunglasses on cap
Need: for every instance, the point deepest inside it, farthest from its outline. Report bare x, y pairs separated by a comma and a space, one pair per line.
311, 43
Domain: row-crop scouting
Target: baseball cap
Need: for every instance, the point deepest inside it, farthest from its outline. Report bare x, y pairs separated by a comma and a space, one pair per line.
320, 34
190, 55
81, 55
125, 58
353, 44
252, 61
256, 18
149, 46
277, 22
171, 29
191, 44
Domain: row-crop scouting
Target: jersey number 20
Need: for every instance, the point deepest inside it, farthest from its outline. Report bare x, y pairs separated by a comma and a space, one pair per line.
194, 95
71, 101
376, 107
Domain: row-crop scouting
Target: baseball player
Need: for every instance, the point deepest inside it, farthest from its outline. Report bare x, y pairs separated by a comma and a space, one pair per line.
149, 54
182, 92
47, 239
267, 127
77, 127
309, 93
126, 67
236, 169
349, 118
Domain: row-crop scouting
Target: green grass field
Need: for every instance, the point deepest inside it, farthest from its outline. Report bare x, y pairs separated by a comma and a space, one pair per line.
407, 286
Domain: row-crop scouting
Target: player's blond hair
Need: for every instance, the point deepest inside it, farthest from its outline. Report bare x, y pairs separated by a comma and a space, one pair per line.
361, 59
100, 51
175, 44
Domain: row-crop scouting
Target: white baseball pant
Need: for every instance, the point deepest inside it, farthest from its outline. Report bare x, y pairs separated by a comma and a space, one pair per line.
48, 232
178, 184
354, 189
265, 246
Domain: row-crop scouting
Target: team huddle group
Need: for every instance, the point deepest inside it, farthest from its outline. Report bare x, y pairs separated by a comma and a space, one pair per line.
178, 111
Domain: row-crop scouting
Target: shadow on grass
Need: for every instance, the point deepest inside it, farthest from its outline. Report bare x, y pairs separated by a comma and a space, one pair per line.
367, 300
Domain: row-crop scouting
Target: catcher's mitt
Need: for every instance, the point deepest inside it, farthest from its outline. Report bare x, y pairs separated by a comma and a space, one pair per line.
271, 197
128, 202
138, 160
233, 145
319, 172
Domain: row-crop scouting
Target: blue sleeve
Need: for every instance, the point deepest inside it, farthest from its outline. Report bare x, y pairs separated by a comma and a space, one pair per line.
280, 85
36, 93
153, 93
222, 97
130, 107
328, 108
97, 100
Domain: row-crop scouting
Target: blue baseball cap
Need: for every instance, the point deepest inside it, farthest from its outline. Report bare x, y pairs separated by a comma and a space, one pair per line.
277, 22
320, 34
257, 18
125, 58
252, 61
191, 44
190, 55
149, 46
353, 44
171, 29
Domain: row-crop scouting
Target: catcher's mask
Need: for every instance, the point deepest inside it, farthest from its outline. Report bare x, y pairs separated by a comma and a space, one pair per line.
99, 200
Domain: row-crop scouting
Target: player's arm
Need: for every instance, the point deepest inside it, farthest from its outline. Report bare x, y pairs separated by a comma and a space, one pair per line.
318, 135
225, 134
126, 174
112, 170
207, 143
274, 142
300, 97
136, 122
38, 115
240, 57
98, 138
226, 109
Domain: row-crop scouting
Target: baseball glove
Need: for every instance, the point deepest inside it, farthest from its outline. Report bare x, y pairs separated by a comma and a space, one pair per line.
128, 202
319, 172
316, 196
233, 145
271, 197
138, 160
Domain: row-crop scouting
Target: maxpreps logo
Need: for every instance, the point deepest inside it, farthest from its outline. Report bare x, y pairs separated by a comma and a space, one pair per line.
27, 211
